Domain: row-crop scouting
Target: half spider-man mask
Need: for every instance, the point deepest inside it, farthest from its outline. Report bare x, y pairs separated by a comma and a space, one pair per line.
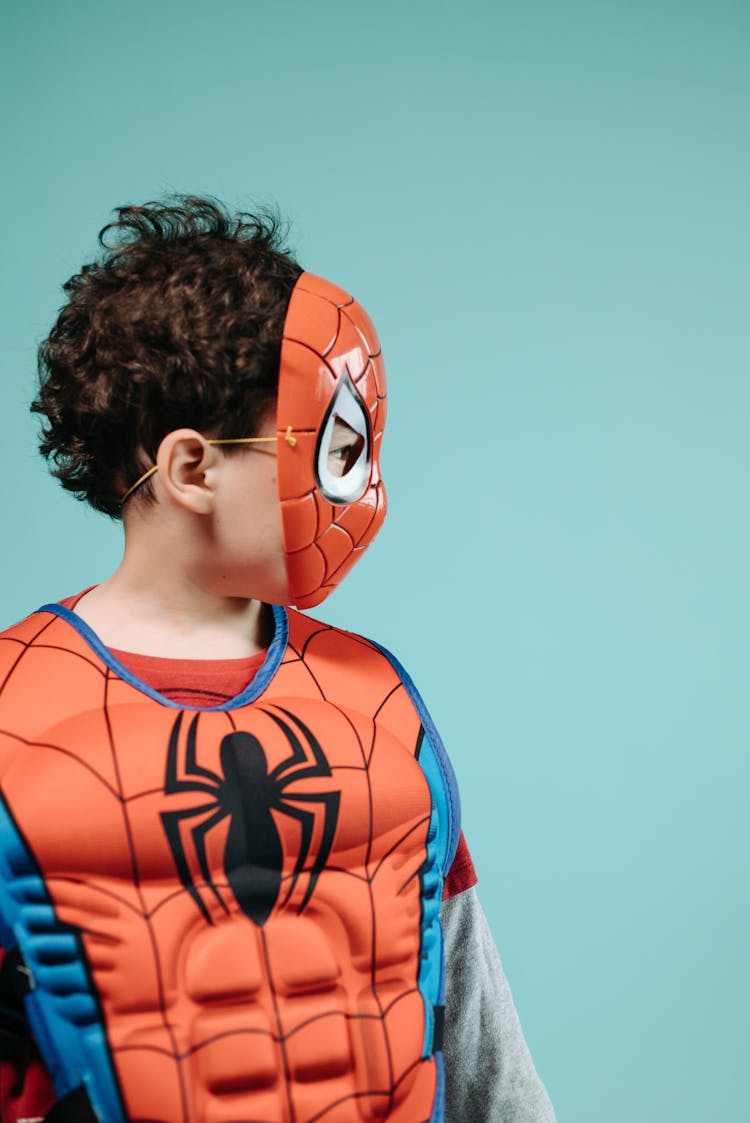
330, 419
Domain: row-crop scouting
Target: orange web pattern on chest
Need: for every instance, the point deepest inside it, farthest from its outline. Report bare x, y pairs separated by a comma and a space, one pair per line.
149, 851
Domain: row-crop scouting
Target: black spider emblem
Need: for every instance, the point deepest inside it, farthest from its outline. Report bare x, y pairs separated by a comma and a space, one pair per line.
248, 793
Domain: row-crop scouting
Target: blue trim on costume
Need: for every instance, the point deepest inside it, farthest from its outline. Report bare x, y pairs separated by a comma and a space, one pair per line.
448, 775
438, 1107
431, 978
252, 691
442, 841
63, 1013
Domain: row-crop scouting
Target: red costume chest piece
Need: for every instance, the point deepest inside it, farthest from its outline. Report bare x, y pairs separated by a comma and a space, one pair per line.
247, 883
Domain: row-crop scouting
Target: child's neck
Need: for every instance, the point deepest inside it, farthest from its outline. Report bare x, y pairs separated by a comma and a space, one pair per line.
170, 618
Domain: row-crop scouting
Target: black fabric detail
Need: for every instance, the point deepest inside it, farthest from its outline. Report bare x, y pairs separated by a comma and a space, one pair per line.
15, 984
14, 1031
15, 981
437, 1037
73, 1108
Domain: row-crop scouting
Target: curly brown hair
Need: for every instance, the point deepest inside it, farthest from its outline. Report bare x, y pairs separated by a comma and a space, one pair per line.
179, 324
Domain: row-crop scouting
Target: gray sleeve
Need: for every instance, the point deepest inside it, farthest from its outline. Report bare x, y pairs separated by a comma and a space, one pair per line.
490, 1076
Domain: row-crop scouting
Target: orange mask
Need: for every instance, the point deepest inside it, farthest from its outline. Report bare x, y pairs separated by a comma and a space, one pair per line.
331, 369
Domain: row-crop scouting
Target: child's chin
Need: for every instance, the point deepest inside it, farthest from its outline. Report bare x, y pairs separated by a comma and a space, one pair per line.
270, 590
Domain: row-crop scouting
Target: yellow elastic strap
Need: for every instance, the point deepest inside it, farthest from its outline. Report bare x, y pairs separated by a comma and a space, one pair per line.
141, 480
289, 437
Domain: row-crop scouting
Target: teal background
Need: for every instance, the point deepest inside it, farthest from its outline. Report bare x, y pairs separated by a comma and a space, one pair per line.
544, 206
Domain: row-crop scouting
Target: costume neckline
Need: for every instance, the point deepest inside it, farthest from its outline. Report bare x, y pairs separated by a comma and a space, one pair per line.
251, 692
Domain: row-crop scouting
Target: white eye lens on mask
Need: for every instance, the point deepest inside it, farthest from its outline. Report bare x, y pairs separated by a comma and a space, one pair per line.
353, 477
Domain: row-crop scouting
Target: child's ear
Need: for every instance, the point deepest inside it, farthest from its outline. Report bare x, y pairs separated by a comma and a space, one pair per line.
185, 461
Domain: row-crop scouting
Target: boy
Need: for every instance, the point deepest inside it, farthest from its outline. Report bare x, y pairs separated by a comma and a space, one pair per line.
226, 829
